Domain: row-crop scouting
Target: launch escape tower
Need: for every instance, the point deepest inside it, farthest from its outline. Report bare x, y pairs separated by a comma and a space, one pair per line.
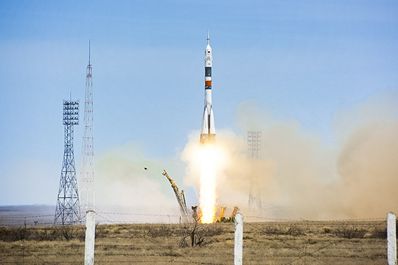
68, 208
254, 153
87, 166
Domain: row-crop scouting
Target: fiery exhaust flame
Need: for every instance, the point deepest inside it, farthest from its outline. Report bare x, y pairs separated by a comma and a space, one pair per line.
210, 161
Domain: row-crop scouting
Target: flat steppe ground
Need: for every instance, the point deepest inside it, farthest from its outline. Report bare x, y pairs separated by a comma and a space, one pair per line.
302, 242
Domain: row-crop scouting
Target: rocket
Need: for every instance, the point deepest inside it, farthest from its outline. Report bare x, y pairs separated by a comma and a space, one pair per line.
208, 130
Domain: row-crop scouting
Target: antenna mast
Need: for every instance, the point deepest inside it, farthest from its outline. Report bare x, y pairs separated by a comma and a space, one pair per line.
87, 170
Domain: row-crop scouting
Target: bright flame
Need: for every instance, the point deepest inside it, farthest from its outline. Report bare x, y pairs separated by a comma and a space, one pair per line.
210, 165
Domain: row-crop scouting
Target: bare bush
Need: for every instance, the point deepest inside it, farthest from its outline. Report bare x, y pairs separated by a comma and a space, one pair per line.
291, 230
212, 230
195, 233
379, 233
349, 232
42, 233
160, 231
272, 230
295, 231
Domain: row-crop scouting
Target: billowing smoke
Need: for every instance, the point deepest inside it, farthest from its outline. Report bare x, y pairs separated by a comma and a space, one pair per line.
368, 160
368, 165
299, 176
129, 182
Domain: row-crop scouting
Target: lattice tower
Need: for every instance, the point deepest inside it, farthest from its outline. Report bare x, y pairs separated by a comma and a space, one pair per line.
67, 210
87, 166
254, 153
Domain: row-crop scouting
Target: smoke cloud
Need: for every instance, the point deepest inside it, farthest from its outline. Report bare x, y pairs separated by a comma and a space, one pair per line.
128, 181
299, 176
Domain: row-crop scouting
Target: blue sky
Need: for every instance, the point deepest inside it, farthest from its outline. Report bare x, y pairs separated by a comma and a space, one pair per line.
299, 60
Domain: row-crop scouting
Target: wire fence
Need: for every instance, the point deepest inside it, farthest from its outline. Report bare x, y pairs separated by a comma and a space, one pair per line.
142, 238
103, 217
113, 217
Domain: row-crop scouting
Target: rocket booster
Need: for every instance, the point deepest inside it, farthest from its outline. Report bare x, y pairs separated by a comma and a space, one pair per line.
208, 130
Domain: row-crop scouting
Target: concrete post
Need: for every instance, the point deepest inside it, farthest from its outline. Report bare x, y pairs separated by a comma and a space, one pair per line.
238, 250
90, 238
391, 239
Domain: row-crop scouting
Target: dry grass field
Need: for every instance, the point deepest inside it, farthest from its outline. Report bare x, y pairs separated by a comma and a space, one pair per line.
264, 243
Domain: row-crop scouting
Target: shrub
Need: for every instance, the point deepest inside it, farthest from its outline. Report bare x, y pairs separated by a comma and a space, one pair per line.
160, 231
272, 230
295, 231
379, 233
292, 230
350, 232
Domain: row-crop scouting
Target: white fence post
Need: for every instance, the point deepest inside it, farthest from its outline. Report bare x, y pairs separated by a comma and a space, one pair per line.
391, 239
90, 238
238, 251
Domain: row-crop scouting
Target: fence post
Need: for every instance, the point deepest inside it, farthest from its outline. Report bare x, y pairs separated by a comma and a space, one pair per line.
391, 239
90, 238
238, 250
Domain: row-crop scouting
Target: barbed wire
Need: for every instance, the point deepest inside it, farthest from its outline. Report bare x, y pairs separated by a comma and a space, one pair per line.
25, 216
302, 251
260, 218
140, 214
268, 219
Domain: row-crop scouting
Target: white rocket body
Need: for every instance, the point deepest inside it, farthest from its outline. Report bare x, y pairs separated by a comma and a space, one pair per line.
208, 129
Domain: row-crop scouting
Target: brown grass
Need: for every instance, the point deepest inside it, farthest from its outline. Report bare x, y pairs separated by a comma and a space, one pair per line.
264, 243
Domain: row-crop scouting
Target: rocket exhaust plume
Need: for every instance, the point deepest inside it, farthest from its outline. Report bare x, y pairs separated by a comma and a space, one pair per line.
208, 168
207, 153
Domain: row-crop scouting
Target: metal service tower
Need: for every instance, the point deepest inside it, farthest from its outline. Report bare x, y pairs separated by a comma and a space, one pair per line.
254, 154
68, 208
87, 166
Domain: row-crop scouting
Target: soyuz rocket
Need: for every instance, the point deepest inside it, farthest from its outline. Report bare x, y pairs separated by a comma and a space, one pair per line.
208, 132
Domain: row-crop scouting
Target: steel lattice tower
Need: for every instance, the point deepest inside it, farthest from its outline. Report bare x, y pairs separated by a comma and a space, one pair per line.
87, 166
254, 144
68, 208
254, 153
